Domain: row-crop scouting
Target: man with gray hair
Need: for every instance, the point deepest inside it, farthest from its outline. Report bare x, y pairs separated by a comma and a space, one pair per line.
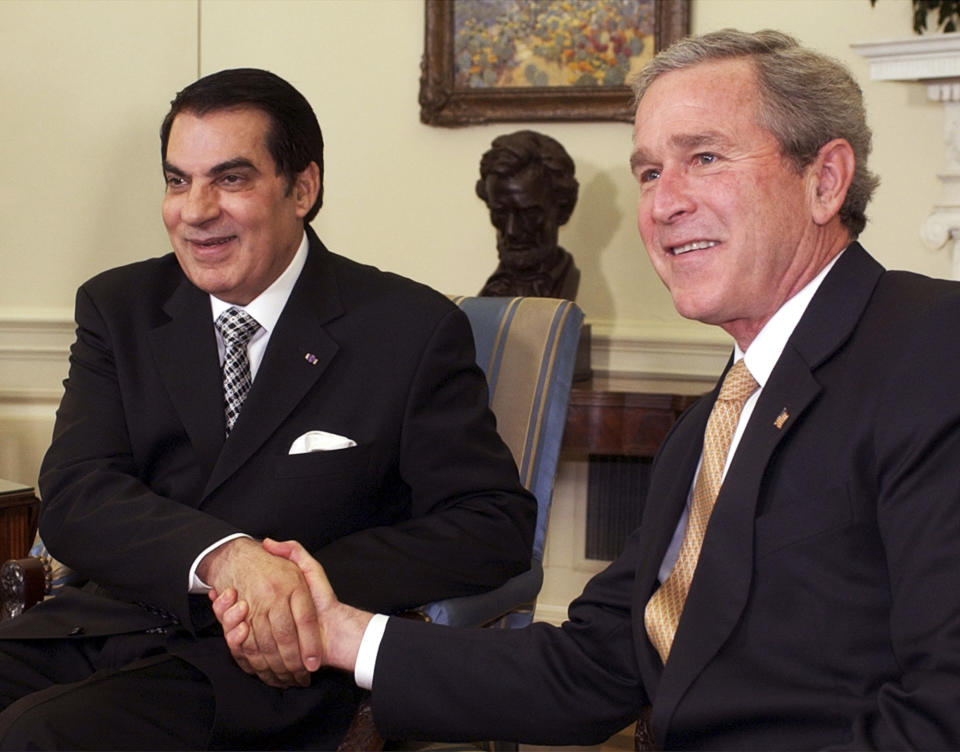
795, 580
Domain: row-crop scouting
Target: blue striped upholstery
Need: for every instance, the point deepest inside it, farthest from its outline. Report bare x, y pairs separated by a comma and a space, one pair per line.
527, 348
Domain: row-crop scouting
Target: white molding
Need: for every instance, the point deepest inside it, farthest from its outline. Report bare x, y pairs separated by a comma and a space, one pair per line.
913, 58
934, 61
34, 348
661, 350
33, 357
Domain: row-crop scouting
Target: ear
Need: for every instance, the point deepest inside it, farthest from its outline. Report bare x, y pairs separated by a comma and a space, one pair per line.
306, 185
831, 174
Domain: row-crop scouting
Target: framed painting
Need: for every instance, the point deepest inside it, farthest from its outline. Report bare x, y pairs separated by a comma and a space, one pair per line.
516, 60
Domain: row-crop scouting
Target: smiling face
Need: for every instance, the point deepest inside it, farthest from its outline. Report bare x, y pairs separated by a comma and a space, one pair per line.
233, 222
726, 220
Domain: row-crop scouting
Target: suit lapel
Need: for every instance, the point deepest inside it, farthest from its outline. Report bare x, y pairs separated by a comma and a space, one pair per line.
298, 353
721, 585
185, 352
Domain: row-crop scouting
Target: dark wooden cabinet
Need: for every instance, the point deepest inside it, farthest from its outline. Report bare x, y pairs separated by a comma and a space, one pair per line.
618, 425
18, 519
624, 417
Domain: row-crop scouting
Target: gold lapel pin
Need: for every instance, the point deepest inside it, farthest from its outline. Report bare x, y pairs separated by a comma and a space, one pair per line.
782, 418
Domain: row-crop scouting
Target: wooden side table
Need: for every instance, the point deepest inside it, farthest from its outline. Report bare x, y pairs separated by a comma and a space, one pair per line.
18, 519
625, 417
618, 424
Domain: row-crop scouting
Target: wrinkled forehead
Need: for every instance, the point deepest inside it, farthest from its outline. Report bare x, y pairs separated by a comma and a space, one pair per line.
711, 97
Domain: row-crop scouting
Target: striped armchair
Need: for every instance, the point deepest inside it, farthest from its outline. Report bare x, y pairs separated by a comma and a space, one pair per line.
527, 348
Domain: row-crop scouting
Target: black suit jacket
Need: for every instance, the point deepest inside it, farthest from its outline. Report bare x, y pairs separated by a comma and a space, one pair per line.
825, 610
139, 479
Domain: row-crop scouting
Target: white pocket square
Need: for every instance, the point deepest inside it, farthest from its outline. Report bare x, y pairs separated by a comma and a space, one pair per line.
320, 441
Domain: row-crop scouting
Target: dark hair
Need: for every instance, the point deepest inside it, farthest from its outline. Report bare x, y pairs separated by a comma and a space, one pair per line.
294, 139
806, 100
513, 152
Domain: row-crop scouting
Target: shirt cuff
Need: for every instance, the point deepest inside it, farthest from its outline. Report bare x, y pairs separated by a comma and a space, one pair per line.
367, 655
196, 586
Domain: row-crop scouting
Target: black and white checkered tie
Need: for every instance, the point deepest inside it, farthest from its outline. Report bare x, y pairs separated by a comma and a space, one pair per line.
236, 327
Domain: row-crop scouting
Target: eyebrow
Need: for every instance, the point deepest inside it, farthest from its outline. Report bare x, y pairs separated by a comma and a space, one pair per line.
687, 141
217, 169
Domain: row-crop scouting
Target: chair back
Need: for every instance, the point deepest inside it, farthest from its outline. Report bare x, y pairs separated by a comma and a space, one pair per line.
527, 348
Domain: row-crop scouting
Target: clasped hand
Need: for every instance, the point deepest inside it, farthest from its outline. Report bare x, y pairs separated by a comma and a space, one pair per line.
286, 628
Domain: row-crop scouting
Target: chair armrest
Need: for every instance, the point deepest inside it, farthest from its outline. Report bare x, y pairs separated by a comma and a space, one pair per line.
483, 608
23, 583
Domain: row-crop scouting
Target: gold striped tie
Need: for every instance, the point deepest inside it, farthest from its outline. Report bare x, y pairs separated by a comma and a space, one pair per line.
662, 614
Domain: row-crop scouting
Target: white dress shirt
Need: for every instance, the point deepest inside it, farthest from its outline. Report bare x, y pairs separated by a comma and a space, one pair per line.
266, 309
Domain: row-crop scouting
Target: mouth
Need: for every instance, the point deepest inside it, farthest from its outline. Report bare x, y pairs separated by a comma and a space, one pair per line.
211, 242
696, 245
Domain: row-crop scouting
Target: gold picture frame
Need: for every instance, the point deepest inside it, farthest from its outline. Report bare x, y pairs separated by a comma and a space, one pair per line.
444, 101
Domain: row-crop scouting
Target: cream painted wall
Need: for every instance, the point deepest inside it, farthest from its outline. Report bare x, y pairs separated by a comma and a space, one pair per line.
85, 83
84, 86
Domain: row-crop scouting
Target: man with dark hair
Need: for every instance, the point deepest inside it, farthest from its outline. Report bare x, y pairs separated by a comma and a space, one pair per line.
527, 182
795, 579
293, 138
251, 383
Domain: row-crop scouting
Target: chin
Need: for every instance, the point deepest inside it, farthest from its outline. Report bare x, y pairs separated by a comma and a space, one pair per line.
691, 309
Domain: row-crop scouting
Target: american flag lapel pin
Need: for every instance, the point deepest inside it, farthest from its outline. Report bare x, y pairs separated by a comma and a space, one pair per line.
782, 418
310, 358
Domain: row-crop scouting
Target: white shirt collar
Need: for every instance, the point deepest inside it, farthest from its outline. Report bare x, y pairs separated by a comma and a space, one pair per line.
764, 352
268, 305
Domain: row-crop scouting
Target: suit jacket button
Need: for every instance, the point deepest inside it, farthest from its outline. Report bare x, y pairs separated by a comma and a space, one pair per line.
77, 631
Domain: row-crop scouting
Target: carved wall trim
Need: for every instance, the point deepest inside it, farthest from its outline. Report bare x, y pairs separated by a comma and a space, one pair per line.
34, 350
33, 357
933, 60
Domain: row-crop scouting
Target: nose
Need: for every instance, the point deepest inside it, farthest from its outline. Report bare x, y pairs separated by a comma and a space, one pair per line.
200, 205
672, 197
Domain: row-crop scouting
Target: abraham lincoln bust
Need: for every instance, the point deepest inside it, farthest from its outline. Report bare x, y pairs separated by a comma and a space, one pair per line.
527, 182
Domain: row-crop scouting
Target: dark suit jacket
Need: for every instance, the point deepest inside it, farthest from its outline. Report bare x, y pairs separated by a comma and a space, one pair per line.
825, 610
139, 479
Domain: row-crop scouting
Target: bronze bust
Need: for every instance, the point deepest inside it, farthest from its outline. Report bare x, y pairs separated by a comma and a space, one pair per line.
527, 181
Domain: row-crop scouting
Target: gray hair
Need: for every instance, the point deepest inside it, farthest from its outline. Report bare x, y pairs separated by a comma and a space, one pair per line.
806, 100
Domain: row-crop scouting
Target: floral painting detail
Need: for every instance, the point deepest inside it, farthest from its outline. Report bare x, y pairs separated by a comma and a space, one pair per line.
539, 43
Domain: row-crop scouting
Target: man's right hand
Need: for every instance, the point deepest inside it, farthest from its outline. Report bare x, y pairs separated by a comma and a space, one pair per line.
282, 644
341, 627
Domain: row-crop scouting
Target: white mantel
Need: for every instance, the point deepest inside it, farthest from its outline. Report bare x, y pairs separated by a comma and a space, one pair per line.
935, 62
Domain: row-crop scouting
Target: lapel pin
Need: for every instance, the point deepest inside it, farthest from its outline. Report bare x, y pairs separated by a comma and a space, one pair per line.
310, 358
782, 418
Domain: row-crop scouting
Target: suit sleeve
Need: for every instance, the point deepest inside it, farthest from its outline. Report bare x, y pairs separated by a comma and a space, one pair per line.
576, 684
917, 444
98, 516
471, 523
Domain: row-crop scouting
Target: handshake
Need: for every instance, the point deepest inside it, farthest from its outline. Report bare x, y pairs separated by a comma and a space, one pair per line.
283, 646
